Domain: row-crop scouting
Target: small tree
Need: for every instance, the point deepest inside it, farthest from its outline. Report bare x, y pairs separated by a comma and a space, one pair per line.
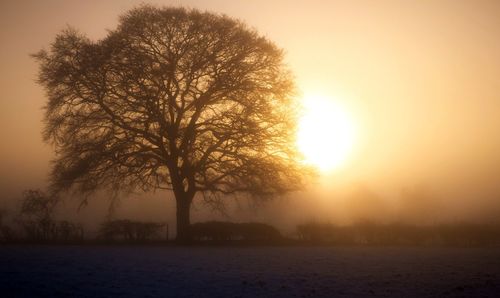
37, 214
175, 99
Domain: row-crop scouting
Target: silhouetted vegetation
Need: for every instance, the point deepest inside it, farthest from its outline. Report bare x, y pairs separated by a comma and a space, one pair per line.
36, 215
227, 231
37, 224
369, 233
131, 231
6, 232
66, 231
174, 99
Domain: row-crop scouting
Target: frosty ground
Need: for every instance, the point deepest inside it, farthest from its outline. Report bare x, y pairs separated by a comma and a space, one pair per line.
163, 271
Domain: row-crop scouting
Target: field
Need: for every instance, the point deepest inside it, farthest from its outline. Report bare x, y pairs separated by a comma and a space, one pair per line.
156, 271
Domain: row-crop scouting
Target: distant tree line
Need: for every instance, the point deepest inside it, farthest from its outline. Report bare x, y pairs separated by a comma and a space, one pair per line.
35, 222
370, 233
229, 231
130, 231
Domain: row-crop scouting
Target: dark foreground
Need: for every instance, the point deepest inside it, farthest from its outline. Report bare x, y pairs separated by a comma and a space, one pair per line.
141, 271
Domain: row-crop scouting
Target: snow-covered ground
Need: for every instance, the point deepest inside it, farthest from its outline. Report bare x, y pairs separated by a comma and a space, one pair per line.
141, 271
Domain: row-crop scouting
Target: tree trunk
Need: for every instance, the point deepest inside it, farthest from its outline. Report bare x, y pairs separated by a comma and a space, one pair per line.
183, 222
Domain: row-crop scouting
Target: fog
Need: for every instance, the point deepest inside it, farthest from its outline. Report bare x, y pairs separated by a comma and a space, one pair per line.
419, 79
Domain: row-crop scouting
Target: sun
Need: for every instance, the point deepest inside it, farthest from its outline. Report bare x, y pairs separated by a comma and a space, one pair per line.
325, 133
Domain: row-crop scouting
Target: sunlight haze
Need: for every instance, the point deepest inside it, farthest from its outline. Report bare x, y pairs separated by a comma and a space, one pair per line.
326, 133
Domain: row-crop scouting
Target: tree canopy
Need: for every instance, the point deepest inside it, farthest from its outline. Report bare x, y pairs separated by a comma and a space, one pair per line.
176, 99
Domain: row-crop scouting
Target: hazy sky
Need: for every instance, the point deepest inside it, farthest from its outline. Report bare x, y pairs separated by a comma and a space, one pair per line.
420, 79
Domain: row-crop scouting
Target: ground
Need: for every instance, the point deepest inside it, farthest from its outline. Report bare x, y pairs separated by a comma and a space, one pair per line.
145, 271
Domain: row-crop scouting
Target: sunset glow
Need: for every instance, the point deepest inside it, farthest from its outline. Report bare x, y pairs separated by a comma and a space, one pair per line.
235, 148
326, 133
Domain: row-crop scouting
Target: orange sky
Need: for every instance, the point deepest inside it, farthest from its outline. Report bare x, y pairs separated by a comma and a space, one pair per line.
420, 78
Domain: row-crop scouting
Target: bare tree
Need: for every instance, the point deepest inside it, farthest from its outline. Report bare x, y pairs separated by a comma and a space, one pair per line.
37, 205
37, 214
174, 99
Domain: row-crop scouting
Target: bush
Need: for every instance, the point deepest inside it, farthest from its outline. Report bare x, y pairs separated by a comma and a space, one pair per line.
130, 231
226, 231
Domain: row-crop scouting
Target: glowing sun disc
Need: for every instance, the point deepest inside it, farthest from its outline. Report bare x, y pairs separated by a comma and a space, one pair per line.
326, 133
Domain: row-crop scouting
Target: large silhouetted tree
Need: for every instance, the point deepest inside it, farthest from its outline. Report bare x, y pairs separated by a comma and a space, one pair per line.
176, 99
